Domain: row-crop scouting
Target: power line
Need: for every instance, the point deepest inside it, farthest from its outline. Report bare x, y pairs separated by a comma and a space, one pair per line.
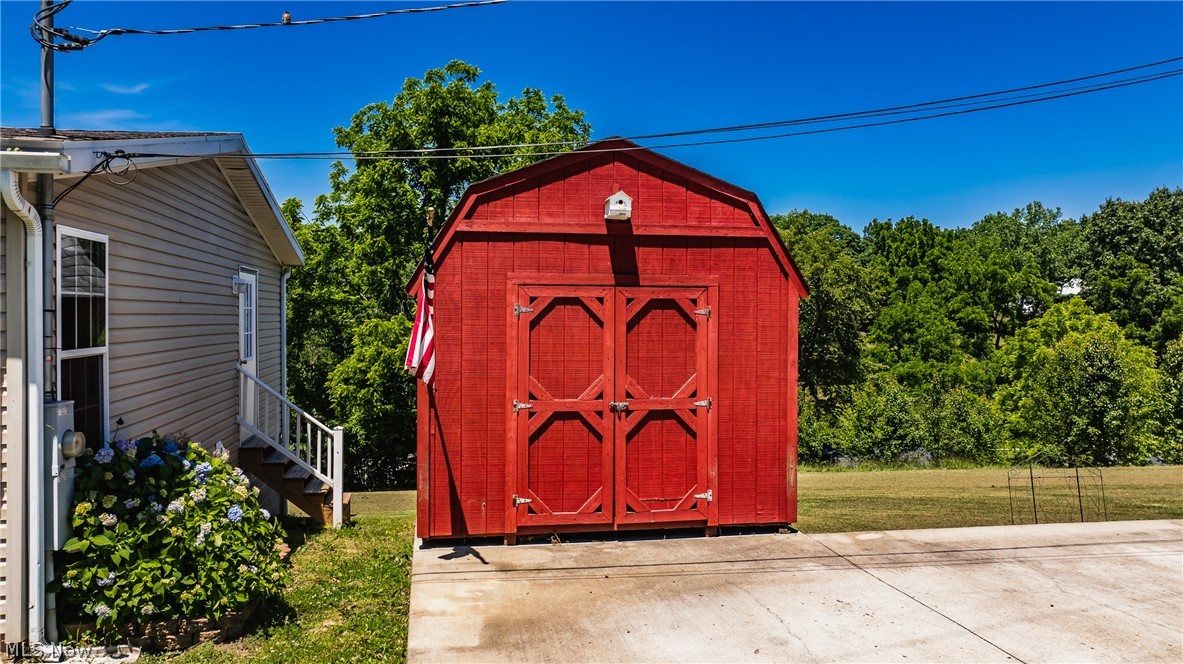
73, 42
993, 104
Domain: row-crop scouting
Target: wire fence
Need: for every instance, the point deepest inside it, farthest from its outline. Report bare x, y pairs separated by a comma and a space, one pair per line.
1049, 488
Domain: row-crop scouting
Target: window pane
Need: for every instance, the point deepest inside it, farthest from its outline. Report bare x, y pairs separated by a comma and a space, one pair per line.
82, 383
84, 293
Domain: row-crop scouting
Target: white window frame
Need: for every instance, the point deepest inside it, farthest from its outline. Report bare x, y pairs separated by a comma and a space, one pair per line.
94, 350
248, 277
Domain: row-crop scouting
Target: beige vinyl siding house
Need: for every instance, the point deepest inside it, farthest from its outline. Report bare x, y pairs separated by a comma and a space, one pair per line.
163, 288
176, 237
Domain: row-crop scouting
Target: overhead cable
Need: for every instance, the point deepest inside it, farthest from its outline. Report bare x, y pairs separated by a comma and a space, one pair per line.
45, 35
515, 150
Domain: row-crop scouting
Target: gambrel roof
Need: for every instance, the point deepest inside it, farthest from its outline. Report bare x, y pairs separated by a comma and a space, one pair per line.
721, 208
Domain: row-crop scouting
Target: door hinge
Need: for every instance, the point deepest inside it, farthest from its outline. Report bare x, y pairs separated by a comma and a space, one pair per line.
708, 496
705, 403
618, 406
518, 309
703, 312
520, 501
518, 405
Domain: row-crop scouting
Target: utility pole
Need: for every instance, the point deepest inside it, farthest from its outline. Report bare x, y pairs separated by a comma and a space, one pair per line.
45, 200
41, 626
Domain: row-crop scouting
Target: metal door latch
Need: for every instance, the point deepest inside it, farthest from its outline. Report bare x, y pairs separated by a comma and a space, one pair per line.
520, 501
518, 309
705, 403
618, 406
708, 496
518, 405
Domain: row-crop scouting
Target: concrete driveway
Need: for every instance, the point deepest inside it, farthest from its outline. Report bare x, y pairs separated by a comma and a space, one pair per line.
1046, 593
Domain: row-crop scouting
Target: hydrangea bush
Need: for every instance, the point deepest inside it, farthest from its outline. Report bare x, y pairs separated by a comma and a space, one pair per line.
165, 530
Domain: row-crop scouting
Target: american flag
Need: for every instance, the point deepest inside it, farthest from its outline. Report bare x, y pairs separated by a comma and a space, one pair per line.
421, 350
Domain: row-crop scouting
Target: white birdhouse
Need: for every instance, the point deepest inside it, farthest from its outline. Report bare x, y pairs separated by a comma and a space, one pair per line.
618, 207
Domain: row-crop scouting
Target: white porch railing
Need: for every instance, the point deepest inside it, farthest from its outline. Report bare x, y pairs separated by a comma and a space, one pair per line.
294, 434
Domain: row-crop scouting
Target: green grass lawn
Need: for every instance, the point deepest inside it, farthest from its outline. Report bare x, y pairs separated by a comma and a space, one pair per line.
903, 499
350, 589
348, 599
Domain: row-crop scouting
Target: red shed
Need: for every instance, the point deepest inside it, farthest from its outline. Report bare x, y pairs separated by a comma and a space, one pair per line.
600, 374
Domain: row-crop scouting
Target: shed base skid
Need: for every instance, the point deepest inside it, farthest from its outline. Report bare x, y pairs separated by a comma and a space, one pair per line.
622, 532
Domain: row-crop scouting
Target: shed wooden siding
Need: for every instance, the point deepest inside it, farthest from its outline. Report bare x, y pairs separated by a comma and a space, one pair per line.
757, 331
177, 235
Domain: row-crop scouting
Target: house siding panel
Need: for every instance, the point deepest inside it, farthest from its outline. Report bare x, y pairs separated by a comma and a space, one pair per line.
177, 235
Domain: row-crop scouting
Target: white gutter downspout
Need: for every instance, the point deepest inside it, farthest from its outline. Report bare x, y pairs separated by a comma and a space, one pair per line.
35, 419
283, 354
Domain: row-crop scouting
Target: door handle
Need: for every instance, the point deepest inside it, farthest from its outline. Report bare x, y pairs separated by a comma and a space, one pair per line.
618, 406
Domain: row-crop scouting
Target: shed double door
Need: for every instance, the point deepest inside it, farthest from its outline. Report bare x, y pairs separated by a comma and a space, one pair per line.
612, 408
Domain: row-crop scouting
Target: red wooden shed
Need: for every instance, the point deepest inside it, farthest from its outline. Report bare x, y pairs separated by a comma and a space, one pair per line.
604, 374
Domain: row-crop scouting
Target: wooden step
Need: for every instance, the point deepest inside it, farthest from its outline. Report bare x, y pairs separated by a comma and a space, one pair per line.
253, 443
274, 457
297, 472
291, 480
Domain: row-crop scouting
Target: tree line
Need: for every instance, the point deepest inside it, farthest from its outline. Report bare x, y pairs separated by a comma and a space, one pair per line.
917, 342
1027, 333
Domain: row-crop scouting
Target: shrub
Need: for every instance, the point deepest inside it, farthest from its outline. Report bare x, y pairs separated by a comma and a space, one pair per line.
882, 422
165, 530
817, 434
963, 425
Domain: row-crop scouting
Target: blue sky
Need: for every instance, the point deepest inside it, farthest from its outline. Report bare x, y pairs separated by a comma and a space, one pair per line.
639, 68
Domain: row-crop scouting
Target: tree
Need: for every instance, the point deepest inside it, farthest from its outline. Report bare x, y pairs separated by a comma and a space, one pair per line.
347, 307
992, 290
1172, 391
1134, 264
1078, 387
842, 302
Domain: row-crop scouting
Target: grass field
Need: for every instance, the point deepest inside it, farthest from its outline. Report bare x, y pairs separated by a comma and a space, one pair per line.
350, 589
904, 499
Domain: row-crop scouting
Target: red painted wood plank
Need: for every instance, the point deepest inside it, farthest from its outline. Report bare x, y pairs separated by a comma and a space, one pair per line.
525, 201
647, 202
423, 407
673, 199
769, 435
499, 261
698, 205
551, 198
474, 391
445, 469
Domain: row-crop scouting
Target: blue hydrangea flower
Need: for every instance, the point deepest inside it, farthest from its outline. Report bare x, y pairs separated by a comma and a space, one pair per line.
176, 506
128, 447
203, 468
151, 460
105, 455
130, 475
234, 513
170, 447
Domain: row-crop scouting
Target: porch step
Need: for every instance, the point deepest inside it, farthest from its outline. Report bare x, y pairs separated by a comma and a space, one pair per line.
297, 472
253, 443
294, 482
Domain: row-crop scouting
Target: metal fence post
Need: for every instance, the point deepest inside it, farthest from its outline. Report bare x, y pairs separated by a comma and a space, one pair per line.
338, 474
